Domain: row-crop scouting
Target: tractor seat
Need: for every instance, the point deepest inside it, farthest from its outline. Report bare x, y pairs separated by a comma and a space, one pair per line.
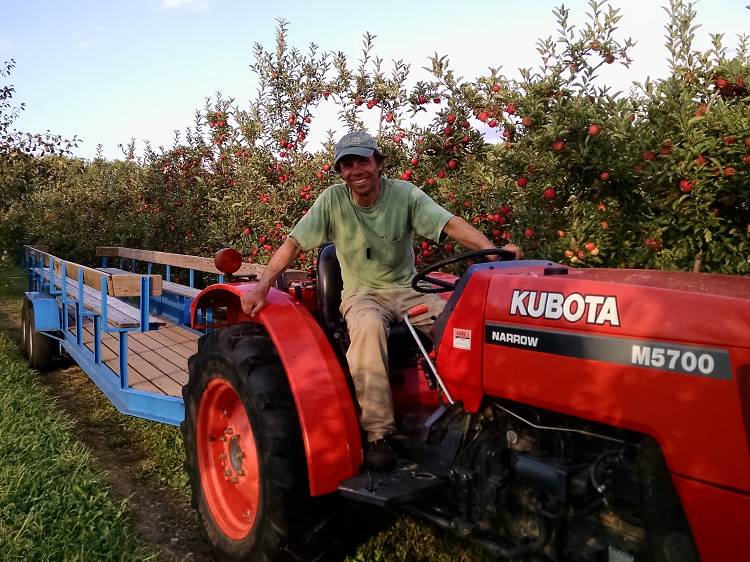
330, 284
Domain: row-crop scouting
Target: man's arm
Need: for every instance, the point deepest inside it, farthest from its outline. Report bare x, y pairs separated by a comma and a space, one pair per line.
468, 236
253, 301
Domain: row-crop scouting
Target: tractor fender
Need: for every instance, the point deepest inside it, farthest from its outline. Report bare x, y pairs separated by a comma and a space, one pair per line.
325, 407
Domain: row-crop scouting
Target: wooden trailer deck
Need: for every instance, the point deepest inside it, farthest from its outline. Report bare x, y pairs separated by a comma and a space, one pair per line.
157, 360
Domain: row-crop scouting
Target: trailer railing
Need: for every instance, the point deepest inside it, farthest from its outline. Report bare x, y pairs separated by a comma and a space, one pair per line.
90, 297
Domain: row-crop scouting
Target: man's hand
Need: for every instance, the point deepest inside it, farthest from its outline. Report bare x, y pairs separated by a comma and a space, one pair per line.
460, 230
254, 300
515, 249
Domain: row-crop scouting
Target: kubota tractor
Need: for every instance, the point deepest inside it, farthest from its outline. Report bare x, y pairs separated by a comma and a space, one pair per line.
562, 414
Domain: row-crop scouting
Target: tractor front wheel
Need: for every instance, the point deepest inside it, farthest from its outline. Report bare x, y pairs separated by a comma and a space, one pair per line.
245, 456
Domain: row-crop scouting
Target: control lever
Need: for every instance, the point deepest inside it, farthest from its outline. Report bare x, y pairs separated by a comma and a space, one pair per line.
416, 311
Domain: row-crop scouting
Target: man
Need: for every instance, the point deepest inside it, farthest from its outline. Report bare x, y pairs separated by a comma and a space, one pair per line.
372, 221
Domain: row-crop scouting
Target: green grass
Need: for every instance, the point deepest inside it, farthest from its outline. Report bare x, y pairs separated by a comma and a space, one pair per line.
410, 540
54, 505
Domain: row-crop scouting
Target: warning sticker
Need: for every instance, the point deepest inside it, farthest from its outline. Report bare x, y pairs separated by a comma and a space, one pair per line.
461, 338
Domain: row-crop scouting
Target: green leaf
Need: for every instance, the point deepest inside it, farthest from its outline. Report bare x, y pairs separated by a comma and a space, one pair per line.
708, 236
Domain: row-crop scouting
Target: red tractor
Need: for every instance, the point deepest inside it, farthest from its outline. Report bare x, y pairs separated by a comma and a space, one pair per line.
561, 414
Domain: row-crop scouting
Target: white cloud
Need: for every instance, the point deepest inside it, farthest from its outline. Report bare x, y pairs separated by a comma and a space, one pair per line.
5, 44
192, 5
83, 44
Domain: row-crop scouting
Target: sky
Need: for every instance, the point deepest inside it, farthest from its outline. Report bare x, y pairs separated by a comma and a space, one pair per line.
109, 71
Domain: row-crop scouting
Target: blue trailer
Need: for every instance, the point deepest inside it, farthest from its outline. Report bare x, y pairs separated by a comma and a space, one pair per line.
130, 332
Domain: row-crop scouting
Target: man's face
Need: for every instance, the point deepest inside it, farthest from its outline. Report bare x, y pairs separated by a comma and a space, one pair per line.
361, 174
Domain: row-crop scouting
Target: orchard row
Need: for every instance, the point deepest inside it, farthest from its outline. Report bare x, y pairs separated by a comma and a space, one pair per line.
551, 160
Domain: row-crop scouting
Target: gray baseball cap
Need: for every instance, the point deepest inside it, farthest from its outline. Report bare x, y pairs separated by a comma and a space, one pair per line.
356, 142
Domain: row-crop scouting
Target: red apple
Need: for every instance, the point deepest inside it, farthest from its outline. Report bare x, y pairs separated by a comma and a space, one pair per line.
686, 186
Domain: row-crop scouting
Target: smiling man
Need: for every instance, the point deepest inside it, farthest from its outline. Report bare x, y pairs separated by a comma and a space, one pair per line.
372, 221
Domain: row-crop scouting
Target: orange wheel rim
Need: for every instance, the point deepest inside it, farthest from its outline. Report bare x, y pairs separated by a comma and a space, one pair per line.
227, 459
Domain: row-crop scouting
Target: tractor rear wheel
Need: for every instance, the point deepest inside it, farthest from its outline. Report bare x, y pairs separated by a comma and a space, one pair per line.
245, 455
40, 349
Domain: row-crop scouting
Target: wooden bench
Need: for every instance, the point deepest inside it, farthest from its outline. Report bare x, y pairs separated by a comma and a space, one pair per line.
183, 261
193, 263
119, 313
166, 286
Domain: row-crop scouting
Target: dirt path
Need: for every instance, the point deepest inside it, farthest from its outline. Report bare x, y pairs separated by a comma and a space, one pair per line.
161, 517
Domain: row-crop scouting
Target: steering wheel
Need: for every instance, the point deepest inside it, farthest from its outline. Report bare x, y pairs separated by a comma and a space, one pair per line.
446, 286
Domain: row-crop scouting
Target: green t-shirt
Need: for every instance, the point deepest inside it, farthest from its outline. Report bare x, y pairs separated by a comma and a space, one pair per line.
374, 245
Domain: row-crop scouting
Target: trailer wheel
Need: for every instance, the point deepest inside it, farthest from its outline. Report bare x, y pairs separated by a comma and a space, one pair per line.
25, 328
39, 348
244, 449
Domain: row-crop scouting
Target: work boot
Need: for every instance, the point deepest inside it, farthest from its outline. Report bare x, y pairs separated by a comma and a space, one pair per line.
379, 456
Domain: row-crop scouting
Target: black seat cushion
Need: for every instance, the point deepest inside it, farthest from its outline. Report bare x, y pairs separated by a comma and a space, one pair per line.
401, 345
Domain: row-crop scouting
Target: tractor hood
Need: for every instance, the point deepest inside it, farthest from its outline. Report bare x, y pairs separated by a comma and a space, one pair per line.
657, 352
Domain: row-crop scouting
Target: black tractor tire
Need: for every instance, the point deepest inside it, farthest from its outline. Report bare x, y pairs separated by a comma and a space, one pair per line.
237, 374
39, 349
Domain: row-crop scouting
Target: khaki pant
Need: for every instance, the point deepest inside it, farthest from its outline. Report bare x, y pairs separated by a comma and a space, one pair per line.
368, 317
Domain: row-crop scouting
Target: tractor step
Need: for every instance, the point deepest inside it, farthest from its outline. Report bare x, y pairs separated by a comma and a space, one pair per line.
407, 483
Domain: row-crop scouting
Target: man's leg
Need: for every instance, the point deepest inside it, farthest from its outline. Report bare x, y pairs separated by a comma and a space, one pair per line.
367, 321
409, 298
